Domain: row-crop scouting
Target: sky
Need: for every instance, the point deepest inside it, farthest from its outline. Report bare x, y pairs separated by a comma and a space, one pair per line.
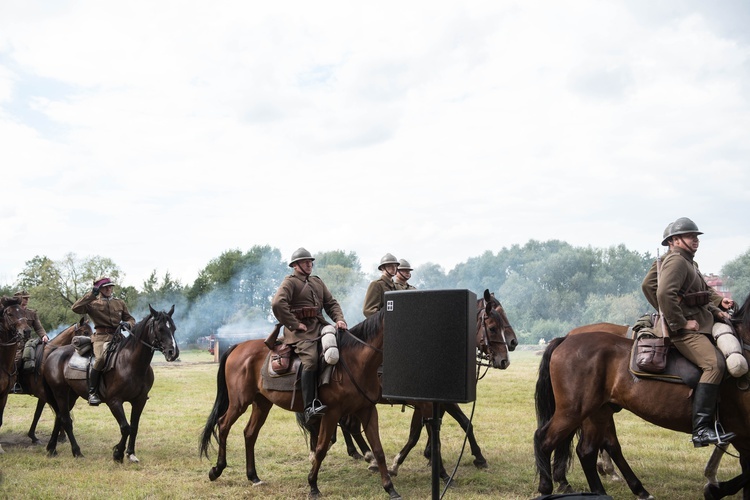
162, 134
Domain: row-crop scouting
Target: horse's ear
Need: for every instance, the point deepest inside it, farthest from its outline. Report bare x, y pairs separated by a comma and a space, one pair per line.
82, 321
171, 311
487, 295
153, 313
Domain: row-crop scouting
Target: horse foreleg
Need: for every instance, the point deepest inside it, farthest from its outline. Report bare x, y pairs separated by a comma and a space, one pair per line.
118, 450
258, 415
455, 411
63, 420
415, 431
370, 418
135, 418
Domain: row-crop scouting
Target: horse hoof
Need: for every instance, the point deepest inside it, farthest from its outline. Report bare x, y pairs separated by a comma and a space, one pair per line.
373, 467
356, 456
258, 483
393, 472
213, 474
480, 464
133, 459
51, 453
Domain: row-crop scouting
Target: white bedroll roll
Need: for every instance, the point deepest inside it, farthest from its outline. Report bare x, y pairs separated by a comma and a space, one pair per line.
328, 343
731, 348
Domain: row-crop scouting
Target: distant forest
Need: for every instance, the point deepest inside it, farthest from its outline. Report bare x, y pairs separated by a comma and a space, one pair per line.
546, 287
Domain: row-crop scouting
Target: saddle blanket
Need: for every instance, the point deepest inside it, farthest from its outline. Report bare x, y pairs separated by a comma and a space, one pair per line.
76, 367
289, 381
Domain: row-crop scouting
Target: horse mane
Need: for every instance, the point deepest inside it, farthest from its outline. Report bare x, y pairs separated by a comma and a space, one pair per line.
365, 331
743, 315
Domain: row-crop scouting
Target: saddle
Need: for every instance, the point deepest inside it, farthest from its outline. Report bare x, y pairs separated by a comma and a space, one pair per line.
79, 365
283, 358
678, 369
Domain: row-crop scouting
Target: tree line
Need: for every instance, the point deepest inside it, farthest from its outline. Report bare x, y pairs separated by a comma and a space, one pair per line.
546, 287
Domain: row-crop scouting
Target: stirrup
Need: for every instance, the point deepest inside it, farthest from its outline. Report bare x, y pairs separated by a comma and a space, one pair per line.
94, 400
17, 389
315, 410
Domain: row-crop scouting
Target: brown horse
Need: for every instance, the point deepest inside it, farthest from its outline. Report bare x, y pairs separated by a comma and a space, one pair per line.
354, 389
31, 381
13, 328
130, 380
572, 395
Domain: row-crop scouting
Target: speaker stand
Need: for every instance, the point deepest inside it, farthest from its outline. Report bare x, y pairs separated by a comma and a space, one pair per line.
435, 450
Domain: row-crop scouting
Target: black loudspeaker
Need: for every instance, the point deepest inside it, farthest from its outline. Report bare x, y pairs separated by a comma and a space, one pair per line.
429, 346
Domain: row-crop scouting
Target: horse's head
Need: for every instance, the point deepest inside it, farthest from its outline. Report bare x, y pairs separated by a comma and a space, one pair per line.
14, 323
495, 335
161, 333
741, 320
83, 327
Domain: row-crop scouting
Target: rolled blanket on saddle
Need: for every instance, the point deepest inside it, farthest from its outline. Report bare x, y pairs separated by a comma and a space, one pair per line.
730, 346
82, 344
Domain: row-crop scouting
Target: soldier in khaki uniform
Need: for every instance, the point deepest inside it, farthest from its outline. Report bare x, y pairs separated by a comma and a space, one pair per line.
32, 318
108, 313
403, 274
375, 295
298, 305
650, 281
690, 318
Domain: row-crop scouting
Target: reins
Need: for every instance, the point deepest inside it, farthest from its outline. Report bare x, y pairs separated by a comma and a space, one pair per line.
348, 371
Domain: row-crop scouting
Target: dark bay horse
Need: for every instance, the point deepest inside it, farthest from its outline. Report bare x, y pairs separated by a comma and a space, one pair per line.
13, 327
32, 380
130, 380
354, 390
571, 395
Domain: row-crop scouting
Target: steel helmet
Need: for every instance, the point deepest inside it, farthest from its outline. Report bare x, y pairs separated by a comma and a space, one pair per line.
403, 265
22, 293
387, 259
667, 234
683, 225
300, 254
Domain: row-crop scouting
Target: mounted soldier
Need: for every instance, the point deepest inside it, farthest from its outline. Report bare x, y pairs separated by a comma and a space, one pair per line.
375, 295
110, 315
32, 318
403, 275
685, 299
298, 305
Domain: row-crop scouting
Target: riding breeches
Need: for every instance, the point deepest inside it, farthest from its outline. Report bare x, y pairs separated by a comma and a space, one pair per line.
100, 351
697, 348
307, 350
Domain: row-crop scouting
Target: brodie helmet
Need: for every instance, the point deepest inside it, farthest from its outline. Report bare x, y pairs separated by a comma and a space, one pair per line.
22, 294
387, 259
300, 254
667, 234
403, 265
683, 225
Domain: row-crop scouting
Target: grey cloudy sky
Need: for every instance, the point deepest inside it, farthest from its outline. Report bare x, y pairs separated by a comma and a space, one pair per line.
160, 134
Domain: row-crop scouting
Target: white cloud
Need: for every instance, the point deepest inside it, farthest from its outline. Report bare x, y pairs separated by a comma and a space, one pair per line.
160, 135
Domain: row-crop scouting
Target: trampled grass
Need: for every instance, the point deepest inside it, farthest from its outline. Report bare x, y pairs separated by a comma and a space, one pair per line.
182, 397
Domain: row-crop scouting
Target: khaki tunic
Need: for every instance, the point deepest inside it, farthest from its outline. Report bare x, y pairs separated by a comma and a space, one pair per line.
680, 275
375, 295
404, 286
106, 315
650, 283
32, 318
295, 292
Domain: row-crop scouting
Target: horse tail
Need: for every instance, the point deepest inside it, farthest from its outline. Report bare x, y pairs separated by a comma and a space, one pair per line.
220, 405
544, 399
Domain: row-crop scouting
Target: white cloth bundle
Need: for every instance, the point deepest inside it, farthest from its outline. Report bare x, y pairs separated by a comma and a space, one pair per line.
731, 348
328, 343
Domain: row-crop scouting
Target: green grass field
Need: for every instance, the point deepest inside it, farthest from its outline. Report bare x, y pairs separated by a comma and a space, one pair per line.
183, 395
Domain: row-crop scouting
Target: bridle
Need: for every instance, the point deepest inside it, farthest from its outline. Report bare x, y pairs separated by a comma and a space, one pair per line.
485, 352
156, 344
12, 333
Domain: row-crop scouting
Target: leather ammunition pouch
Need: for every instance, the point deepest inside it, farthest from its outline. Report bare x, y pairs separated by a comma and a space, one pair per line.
696, 299
306, 312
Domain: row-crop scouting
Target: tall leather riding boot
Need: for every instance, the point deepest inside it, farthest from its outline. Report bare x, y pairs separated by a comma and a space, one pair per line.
94, 387
313, 407
704, 411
